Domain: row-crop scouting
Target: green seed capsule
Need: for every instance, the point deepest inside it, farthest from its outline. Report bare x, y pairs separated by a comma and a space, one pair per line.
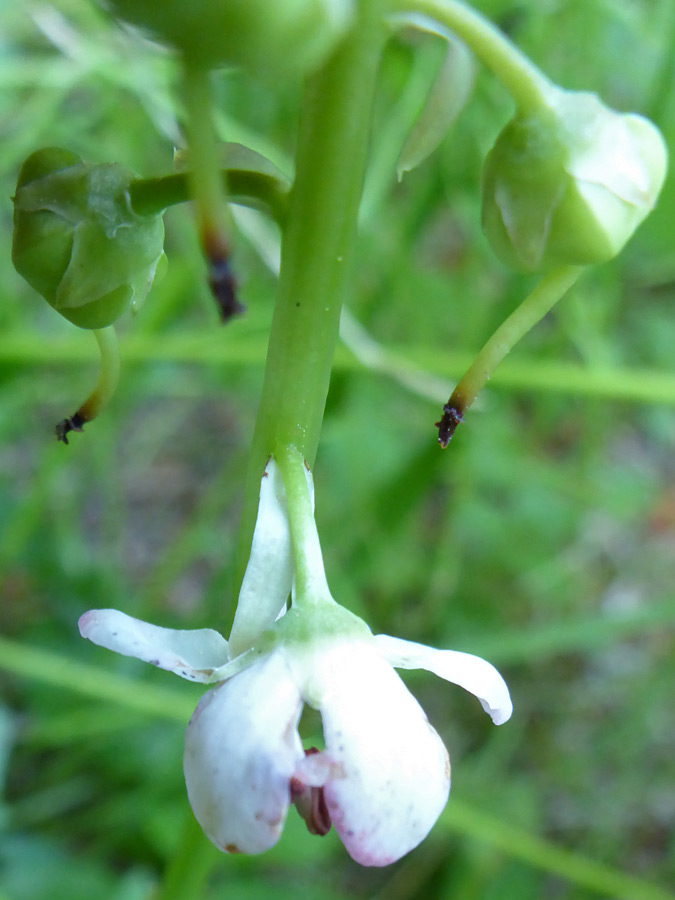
77, 240
568, 185
278, 37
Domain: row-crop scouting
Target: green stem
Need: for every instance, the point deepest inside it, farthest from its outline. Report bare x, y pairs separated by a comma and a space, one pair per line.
550, 289
258, 190
311, 587
106, 384
207, 187
204, 174
109, 373
317, 248
64, 673
528, 86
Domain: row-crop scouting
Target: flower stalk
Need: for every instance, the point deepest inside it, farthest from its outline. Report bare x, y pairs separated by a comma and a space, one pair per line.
108, 377
526, 83
207, 187
258, 190
311, 587
536, 305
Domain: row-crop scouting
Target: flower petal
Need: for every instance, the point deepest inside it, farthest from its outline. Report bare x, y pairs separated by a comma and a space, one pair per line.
474, 674
241, 750
191, 654
394, 771
269, 573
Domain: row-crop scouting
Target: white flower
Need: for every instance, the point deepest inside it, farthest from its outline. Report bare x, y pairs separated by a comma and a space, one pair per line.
384, 775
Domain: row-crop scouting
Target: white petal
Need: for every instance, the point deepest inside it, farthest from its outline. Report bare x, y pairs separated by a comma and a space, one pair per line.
394, 769
191, 654
241, 750
470, 672
269, 573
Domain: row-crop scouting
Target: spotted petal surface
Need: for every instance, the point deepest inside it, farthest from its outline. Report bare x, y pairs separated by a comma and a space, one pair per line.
474, 674
394, 771
191, 654
241, 750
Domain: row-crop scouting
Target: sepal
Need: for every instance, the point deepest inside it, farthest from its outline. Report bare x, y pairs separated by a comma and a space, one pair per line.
77, 240
470, 672
269, 574
194, 654
569, 183
447, 97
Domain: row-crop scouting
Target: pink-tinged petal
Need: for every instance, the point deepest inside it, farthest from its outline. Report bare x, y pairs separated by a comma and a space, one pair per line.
474, 674
191, 654
241, 750
395, 772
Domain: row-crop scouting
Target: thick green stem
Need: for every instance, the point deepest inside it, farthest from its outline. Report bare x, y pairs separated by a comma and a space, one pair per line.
550, 289
317, 248
528, 86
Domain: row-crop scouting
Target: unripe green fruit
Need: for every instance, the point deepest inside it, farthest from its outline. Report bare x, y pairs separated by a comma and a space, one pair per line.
569, 184
278, 37
77, 240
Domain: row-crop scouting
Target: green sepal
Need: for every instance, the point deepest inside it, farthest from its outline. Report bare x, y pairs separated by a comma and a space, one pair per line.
77, 240
570, 183
524, 181
447, 97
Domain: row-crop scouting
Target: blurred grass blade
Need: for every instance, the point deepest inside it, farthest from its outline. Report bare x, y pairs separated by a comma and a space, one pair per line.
569, 865
584, 633
61, 672
247, 348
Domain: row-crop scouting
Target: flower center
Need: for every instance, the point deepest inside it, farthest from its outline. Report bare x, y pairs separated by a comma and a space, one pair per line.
311, 803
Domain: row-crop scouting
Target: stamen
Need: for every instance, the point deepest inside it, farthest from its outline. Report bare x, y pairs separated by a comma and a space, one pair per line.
310, 803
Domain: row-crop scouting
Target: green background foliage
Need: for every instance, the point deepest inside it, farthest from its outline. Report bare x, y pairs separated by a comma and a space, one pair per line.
542, 538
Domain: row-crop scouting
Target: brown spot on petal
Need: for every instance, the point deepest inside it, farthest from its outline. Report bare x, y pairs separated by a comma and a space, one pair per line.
231, 848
